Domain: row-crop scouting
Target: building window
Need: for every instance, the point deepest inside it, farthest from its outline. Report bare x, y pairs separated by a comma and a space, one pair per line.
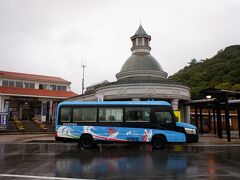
61, 88
26, 85
43, 86
140, 41
134, 42
47, 86
19, 84
31, 85
11, 83
5, 83
53, 87
64, 88
146, 42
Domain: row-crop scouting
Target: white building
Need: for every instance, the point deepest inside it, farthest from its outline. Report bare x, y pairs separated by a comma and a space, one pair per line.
141, 78
32, 96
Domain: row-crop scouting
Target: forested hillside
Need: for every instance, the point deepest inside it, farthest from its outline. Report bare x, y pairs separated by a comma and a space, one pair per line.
221, 71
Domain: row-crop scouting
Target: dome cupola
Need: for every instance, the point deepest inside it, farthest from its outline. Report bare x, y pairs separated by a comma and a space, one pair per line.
140, 41
141, 66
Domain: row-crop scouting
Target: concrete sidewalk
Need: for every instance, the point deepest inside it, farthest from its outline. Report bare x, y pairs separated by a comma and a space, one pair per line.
213, 140
16, 138
21, 138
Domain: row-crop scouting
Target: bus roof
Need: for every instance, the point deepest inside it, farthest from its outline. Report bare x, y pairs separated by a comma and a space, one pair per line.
152, 103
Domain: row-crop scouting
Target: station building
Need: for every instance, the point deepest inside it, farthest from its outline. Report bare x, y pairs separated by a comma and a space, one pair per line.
32, 96
141, 78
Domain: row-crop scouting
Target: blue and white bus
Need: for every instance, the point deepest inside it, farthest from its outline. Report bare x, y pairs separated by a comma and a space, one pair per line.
152, 122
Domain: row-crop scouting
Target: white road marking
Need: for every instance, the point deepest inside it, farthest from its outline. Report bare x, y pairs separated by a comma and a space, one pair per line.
38, 177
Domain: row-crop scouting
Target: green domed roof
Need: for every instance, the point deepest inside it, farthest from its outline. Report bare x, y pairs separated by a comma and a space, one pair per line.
141, 65
141, 61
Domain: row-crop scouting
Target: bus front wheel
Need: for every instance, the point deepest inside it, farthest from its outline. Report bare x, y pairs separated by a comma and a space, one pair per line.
158, 142
86, 141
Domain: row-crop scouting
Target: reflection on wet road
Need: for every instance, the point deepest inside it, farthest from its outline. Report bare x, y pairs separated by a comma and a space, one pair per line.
120, 162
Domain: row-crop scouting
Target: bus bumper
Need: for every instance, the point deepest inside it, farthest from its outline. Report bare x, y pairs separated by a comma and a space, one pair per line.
192, 138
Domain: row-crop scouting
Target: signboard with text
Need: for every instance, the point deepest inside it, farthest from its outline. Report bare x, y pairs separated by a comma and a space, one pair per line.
4, 117
3, 121
178, 115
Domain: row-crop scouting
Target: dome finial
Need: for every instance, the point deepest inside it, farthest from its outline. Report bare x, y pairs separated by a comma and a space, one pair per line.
140, 31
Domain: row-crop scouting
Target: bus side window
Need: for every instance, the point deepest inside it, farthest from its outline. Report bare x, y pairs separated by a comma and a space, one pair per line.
84, 114
137, 114
110, 114
78, 115
65, 115
90, 114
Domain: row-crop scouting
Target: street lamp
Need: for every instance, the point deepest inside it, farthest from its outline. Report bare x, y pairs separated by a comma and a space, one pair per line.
208, 97
83, 66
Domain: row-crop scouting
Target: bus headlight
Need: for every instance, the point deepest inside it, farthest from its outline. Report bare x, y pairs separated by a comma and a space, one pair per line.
190, 131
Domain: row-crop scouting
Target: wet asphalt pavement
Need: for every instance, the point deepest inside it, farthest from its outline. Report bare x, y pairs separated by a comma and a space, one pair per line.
30, 160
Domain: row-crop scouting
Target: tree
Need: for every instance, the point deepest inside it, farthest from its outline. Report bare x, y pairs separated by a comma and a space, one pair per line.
192, 62
220, 51
221, 71
225, 85
236, 87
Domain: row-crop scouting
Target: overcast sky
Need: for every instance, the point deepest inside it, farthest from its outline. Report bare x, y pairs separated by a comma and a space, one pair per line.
54, 37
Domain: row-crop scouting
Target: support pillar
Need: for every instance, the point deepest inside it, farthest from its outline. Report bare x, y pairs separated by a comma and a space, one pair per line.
214, 121
228, 129
219, 121
174, 103
1, 103
100, 97
209, 120
43, 111
54, 112
187, 115
136, 99
196, 116
201, 121
238, 111
51, 111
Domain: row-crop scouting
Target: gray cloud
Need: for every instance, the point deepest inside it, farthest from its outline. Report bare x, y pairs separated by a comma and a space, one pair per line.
54, 37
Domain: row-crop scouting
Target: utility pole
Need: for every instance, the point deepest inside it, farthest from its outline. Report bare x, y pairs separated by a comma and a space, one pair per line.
83, 66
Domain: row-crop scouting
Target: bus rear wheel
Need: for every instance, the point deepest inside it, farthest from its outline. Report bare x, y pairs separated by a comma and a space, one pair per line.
158, 142
86, 141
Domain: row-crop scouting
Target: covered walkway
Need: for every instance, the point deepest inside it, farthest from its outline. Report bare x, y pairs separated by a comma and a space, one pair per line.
218, 104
